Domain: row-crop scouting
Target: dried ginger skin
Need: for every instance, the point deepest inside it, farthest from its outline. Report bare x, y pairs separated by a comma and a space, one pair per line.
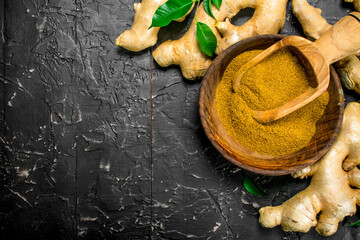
333, 192
314, 25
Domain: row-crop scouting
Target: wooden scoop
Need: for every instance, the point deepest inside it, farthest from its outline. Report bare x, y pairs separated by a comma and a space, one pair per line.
341, 40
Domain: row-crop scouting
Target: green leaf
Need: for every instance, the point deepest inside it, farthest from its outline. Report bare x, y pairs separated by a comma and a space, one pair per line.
206, 38
355, 224
217, 3
252, 187
208, 9
171, 10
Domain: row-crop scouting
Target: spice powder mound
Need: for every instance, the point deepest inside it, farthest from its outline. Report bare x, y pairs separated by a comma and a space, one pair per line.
271, 83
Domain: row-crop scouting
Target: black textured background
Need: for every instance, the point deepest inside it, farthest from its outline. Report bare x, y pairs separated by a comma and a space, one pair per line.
101, 143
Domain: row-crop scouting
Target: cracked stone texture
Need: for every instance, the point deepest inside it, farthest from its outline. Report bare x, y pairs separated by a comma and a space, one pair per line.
101, 143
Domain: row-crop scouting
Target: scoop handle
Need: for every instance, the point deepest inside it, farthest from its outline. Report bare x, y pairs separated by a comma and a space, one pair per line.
342, 39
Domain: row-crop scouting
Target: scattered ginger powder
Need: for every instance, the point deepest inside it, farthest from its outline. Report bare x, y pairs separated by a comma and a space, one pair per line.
271, 83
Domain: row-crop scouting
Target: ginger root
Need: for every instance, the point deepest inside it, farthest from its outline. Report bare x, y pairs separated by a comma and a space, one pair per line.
332, 191
349, 72
186, 51
269, 17
139, 36
314, 25
356, 4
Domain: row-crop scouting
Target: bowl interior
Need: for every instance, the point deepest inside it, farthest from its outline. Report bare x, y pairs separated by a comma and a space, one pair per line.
327, 127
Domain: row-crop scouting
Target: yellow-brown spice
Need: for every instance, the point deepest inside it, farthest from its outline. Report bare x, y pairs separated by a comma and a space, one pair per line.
262, 89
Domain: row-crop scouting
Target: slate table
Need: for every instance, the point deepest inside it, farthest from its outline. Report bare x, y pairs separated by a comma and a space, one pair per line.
101, 143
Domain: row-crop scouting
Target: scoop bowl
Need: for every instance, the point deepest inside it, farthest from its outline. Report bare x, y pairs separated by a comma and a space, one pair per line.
327, 127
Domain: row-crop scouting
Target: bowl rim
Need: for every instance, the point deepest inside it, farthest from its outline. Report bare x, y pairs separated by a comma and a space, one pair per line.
264, 171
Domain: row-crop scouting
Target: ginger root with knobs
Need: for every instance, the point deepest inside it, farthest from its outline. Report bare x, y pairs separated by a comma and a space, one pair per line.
269, 17
186, 51
334, 189
314, 25
139, 36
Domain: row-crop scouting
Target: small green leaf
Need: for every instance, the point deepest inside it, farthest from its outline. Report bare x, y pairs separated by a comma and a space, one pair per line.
217, 3
171, 10
208, 9
206, 38
252, 187
355, 224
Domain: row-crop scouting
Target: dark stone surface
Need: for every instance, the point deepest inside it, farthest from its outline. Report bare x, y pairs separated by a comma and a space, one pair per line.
101, 143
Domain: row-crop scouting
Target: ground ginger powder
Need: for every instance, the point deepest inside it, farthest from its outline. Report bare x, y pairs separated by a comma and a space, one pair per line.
262, 89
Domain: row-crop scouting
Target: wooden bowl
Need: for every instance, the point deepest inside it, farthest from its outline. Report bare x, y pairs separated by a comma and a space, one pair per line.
327, 127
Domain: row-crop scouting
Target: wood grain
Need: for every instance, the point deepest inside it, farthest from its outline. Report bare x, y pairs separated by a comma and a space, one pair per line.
341, 40
315, 64
326, 129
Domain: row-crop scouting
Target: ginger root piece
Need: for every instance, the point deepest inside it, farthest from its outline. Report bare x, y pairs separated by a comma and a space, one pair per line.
349, 72
332, 191
186, 51
269, 17
356, 4
139, 36
314, 25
